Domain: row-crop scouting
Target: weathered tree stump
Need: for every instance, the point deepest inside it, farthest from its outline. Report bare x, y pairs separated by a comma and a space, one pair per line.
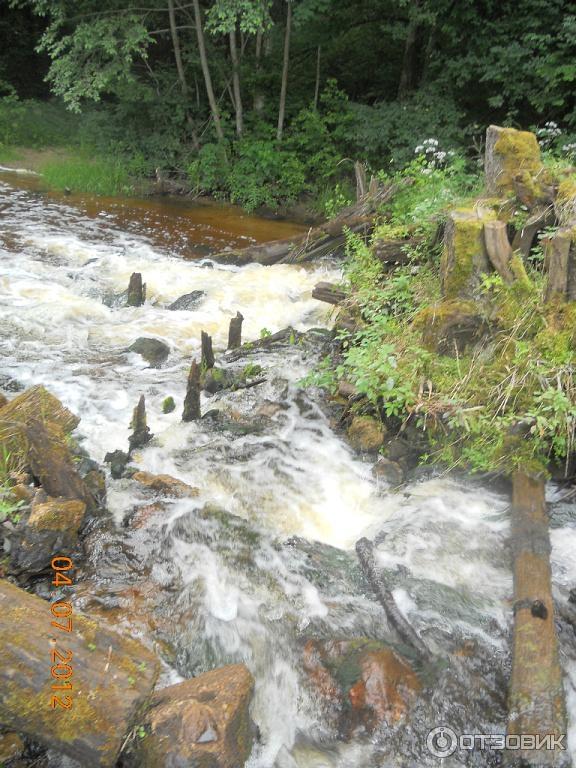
191, 410
499, 249
112, 678
525, 237
140, 430
329, 293
464, 258
511, 156
136, 291
235, 331
536, 695
559, 263
207, 360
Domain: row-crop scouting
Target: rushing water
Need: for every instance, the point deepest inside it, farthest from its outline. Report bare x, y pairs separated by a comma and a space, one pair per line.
252, 588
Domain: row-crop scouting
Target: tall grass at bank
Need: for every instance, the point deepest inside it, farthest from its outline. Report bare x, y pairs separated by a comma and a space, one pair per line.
95, 175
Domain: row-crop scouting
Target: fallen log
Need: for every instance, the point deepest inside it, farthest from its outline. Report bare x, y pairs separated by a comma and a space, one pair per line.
235, 331
499, 249
405, 631
266, 344
395, 252
111, 678
191, 410
536, 695
326, 239
329, 293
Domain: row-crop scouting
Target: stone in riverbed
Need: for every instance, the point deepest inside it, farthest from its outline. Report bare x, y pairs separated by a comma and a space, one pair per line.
366, 434
154, 351
165, 485
389, 471
118, 461
203, 722
189, 301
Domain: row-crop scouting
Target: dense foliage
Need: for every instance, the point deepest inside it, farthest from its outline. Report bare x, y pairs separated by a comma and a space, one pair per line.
218, 92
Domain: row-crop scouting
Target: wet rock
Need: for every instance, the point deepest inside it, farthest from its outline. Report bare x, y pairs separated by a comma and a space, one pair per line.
51, 527
166, 485
136, 294
38, 403
217, 379
366, 434
116, 676
369, 682
8, 384
202, 722
11, 747
118, 461
389, 471
189, 301
168, 405
154, 351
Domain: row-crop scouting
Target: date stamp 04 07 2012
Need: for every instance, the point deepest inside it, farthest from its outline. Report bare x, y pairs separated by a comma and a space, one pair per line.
61, 669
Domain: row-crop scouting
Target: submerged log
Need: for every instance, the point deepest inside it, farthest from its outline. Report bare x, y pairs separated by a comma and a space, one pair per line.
207, 361
136, 291
111, 678
408, 635
235, 331
327, 239
329, 293
191, 410
499, 249
140, 430
536, 695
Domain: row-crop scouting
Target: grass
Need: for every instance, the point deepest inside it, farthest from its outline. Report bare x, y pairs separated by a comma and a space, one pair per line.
95, 175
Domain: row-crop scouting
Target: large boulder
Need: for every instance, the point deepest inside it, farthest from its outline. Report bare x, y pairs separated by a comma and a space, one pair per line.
203, 722
112, 678
364, 681
51, 527
189, 301
154, 351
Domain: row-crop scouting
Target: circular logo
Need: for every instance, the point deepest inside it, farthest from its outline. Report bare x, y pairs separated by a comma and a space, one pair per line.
442, 741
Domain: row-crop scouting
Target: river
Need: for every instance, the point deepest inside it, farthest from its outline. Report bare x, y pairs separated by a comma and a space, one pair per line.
203, 586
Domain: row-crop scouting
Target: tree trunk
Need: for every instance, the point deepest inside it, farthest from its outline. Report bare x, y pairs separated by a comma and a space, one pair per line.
181, 72
408, 74
140, 429
284, 87
557, 258
317, 86
206, 70
111, 678
236, 83
536, 696
207, 361
499, 249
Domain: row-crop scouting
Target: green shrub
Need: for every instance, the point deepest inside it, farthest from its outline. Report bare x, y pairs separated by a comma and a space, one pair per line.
98, 176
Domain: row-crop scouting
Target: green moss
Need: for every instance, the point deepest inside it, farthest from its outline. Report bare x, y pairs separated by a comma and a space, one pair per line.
520, 154
168, 405
565, 203
251, 370
464, 255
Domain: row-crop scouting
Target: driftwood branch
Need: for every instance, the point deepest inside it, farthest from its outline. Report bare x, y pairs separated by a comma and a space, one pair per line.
365, 552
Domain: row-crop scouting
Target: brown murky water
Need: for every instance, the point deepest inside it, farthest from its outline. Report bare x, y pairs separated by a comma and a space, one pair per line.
192, 228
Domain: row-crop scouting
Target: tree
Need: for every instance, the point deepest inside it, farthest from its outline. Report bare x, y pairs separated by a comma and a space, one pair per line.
286, 62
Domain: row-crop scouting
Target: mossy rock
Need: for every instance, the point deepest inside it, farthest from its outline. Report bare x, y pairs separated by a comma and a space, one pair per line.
154, 351
168, 405
366, 434
510, 155
464, 257
450, 327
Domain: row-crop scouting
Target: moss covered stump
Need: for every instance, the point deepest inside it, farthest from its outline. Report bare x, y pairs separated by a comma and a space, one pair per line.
464, 257
512, 157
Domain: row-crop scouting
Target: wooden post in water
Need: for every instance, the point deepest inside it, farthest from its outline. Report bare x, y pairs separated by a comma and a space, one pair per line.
140, 429
235, 331
536, 695
136, 290
207, 361
192, 400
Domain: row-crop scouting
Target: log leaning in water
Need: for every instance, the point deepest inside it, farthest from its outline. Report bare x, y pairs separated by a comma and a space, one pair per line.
112, 678
329, 293
536, 696
408, 635
326, 239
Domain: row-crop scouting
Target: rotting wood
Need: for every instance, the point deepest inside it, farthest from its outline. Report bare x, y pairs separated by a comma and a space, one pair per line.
235, 331
140, 430
536, 695
136, 291
207, 360
556, 263
525, 237
405, 631
191, 410
499, 249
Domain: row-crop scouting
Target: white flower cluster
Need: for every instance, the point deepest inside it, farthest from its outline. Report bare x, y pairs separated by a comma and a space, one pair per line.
548, 133
432, 154
570, 149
